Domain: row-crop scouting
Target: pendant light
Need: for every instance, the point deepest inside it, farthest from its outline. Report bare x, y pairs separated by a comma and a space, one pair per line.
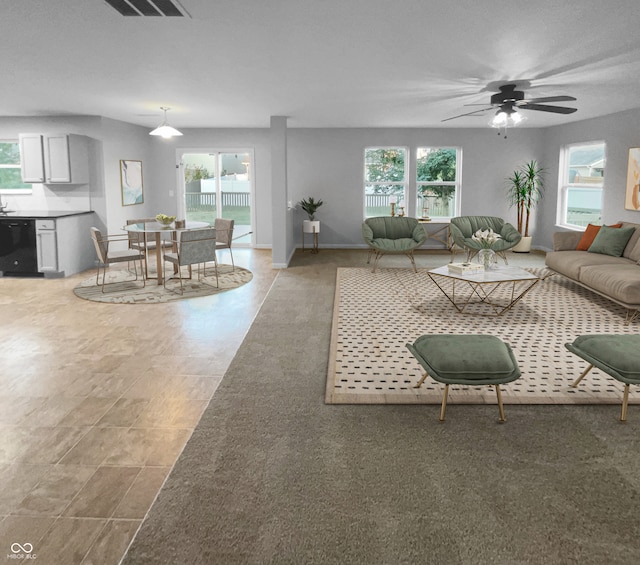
164, 129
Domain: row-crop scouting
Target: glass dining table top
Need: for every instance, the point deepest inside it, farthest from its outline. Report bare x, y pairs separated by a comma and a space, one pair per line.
156, 227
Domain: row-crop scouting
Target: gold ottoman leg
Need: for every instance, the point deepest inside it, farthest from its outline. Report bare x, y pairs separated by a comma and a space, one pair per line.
625, 401
421, 381
444, 402
582, 376
500, 406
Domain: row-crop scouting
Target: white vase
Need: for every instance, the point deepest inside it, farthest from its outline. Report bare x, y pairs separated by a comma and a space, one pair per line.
311, 226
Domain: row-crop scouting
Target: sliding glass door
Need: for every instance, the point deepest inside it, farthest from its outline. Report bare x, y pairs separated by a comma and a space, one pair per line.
219, 184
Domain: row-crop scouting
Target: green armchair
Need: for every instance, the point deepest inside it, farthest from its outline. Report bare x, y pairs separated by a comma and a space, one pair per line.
462, 229
392, 234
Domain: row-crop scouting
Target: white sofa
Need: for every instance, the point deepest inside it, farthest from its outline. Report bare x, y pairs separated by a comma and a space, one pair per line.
616, 278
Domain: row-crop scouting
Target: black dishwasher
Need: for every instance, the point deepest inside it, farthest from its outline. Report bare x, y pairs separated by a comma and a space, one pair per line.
18, 251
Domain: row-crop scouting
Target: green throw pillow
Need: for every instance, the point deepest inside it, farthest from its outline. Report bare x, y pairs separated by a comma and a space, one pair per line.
611, 241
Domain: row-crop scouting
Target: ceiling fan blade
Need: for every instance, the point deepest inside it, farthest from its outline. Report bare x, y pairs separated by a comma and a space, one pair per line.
550, 99
474, 113
544, 108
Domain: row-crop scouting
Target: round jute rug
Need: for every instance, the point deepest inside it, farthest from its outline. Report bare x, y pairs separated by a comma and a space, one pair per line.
122, 288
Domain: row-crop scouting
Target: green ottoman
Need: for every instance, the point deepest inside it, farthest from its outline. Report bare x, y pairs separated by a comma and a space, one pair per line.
465, 359
616, 355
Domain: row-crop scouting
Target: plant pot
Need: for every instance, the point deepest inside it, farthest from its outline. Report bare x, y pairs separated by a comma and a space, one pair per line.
523, 246
311, 226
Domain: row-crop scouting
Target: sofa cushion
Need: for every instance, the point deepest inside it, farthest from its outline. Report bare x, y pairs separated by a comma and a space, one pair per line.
569, 263
632, 250
590, 234
634, 254
611, 241
621, 283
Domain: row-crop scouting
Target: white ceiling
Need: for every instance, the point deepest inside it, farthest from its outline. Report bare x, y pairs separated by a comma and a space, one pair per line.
322, 63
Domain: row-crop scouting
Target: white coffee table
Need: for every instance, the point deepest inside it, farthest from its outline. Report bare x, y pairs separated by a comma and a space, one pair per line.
499, 288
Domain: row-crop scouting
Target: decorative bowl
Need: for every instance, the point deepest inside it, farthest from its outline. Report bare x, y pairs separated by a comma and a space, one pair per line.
164, 219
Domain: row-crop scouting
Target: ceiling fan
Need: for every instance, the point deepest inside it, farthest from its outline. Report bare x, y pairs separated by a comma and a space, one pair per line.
509, 100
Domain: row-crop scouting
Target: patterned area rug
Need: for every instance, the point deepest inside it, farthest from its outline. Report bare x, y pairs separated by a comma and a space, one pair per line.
376, 314
126, 290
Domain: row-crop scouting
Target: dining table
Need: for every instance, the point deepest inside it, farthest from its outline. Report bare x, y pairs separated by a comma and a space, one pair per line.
157, 229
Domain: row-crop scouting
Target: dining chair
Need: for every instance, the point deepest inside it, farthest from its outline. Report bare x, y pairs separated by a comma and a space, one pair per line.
178, 224
193, 247
144, 241
224, 235
107, 256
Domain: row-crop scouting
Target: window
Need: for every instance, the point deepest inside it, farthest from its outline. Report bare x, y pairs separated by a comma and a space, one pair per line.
385, 179
437, 181
581, 184
10, 173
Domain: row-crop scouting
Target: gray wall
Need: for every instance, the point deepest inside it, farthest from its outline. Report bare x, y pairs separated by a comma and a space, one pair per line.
164, 175
326, 164
620, 132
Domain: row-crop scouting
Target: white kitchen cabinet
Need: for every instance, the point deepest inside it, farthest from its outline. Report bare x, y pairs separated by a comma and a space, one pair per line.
47, 246
54, 158
31, 157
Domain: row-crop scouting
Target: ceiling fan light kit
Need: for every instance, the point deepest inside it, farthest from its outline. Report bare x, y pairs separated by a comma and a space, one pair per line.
507, 119
164, 129
509, 101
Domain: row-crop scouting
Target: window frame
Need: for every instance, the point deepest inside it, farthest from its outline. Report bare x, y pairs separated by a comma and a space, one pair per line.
564, 185
457, 183
17, 190
404, 183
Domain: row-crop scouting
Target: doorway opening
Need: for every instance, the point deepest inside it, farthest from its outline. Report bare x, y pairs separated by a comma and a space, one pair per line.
219, 184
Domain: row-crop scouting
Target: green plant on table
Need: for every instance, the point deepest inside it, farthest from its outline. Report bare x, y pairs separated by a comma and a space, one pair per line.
310, 206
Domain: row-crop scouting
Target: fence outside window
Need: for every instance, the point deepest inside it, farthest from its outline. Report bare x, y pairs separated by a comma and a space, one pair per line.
207, 200
378, 204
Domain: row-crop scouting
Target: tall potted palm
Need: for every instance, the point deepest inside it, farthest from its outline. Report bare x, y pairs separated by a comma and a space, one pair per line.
524, 189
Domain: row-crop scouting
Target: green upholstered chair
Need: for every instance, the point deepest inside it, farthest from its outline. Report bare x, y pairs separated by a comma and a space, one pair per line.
462, 229
392, 234
465, 359
616, 355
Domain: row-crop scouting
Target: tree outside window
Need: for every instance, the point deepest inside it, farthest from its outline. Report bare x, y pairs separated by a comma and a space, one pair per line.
10, 173
437, 181
385, 178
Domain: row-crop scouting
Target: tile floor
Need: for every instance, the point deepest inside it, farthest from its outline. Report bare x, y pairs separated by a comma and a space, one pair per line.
98, 400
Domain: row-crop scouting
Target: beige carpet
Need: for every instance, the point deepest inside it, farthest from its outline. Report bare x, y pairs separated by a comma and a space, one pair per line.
126, 290
376, 314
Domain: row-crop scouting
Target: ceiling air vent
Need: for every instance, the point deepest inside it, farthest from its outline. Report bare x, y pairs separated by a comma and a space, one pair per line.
148, 8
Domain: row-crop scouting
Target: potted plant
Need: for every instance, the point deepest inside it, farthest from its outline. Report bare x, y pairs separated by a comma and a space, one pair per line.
525, 188
310, 206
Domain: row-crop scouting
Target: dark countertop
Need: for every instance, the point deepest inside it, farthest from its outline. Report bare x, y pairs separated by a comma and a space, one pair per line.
36, 214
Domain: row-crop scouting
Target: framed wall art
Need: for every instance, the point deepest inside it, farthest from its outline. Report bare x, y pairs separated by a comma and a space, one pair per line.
632, 198
131, 182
